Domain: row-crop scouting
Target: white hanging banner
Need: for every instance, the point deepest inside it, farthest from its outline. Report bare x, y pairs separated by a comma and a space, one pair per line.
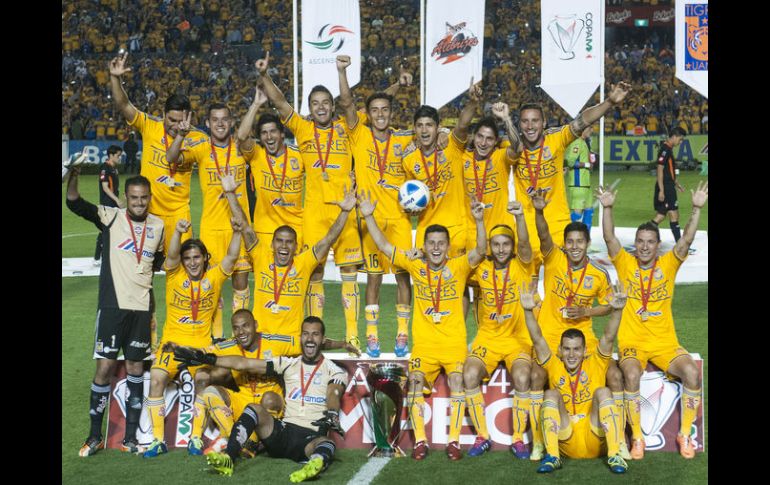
571, 48
692, 44
453, 48
329, 28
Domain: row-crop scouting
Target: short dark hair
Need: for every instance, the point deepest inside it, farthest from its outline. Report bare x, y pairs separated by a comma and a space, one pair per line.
214, 106
268, 118
113, 149
322, 89
649, 226
489, 122
435, 228
579, 227
573, 333
137, 180
314, 319
178, 102
243, 311
196, 243
379, 95
678, 131
535, 106
285, 228
426, 111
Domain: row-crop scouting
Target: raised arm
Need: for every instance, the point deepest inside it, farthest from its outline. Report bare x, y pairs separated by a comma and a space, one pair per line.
607, 199
347, 204
527, 300
366, 209
271, 90
195, 357
240, 220
331, 344
523, 247
501, 111
618, 93
699, 197
243, 136
466, 115
77, 204
174, 257
477, 254
617, 302
404, 79
117, 68
234, 249
539, 202
346, 96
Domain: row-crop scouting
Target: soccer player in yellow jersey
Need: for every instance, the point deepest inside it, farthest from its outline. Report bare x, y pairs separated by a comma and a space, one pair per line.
377, 149
502, 335
170, 183
648, 325
579, 415
572, 281
439, 320
215, 157
281, 277
192, 291
323, 143
277, 171
541, 162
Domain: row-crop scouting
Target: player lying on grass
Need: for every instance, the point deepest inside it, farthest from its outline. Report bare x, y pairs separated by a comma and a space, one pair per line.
314, 387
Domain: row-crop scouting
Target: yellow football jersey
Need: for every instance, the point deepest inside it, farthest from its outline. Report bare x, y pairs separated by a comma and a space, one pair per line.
339, 163
279, 191
185, 324
448, 334
592, 376
212, 164
166, 200
489, 178
382, 181
265, 350
550, 177
490, 280
285, 315
559, 285
441, 171
659, 326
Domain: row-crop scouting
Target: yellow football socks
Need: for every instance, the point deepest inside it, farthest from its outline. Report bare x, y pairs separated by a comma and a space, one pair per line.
416, 411
535, 402
551, 422
219, 412
350, 304
633, 413
520, 412
456, 413
372, 319
610, 418
475, 402
316, 299
690, 403
241, 299
402, 317
200, 417
155, 408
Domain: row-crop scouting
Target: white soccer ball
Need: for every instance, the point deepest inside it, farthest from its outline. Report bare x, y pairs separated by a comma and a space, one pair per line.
413, 195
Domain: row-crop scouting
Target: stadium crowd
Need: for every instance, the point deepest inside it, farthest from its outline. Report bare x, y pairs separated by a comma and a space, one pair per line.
206, 50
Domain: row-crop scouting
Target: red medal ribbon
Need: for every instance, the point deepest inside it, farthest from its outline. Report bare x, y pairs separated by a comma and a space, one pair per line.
480, 188
195, 302
277, 288
571, 296
645, 295
253, 379
271, 162
437, 300
216, 162
534, 177
381, 163
304, 387
140, 247
324, 161
171, 167
573, 387
501, 299
432, 181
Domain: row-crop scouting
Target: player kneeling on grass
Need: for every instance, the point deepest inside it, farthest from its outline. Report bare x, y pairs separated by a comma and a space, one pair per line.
589, 422
314, 384
192, 292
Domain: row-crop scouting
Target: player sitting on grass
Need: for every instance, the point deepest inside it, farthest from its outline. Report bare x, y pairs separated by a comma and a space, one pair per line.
314, 386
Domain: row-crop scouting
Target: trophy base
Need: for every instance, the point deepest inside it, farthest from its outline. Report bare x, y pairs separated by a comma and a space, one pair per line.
386, 452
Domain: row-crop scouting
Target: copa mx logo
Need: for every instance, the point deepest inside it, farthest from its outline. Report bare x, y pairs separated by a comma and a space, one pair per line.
330, 37
567, 29
186, 408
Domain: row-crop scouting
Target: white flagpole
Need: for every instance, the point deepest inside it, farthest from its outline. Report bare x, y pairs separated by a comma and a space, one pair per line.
601, 100
296, 56
422, 51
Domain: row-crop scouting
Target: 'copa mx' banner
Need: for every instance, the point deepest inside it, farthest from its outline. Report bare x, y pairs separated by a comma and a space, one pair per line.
692, 44
330, 28
454, 47
572, 48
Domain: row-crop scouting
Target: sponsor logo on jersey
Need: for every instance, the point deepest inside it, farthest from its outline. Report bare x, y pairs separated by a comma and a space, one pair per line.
129, 247
281, 203
163, 179
317, 164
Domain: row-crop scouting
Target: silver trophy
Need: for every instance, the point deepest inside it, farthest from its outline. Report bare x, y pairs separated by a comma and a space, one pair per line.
565, 31
387, 381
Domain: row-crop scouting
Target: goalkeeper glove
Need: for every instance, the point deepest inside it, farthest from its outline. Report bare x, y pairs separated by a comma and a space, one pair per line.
330, 422
194, 357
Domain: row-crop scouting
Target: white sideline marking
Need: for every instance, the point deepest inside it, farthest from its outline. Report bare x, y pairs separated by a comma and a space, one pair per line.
369, 471
65, 236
